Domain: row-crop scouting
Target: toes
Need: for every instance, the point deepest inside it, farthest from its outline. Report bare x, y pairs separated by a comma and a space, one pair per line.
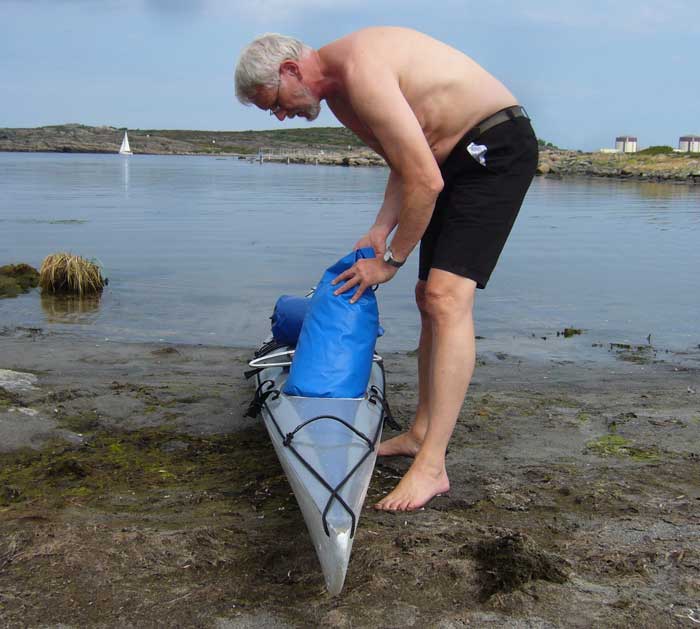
383, 505
388, 503
398, 504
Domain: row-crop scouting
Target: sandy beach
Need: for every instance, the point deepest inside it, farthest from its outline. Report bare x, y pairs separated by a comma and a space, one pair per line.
133, 493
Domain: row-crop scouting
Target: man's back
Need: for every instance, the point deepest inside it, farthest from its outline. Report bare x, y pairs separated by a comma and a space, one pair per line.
446, 90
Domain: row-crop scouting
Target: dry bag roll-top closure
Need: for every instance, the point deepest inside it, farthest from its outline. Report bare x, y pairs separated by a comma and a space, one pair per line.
334, 352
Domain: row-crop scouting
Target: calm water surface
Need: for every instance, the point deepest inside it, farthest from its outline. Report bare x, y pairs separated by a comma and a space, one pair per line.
197, 249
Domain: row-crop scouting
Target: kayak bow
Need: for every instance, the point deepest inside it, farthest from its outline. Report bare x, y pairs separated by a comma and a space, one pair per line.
327, 448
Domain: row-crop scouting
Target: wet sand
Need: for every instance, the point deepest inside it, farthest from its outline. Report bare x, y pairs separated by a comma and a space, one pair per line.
133, 493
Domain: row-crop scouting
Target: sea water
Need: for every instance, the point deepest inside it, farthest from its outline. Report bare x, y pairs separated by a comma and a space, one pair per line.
197, 250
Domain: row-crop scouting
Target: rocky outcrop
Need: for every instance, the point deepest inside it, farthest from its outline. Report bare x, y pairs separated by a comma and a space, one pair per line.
329, 146
76, 138
674, 167
361, 157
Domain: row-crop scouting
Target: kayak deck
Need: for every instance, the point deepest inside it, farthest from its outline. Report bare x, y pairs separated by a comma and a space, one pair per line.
327, 448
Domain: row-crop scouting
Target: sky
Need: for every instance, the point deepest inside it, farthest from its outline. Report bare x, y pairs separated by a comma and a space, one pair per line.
586, 70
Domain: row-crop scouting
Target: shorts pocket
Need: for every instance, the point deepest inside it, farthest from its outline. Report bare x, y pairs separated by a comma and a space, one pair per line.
478, 152
509, 146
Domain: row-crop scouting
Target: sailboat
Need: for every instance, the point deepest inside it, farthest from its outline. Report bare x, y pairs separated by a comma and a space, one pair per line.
125, 149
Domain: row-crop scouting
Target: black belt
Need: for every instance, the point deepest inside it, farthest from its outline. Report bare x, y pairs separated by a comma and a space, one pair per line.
509, 113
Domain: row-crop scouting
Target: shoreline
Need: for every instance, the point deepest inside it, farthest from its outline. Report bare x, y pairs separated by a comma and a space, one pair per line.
576, 169
131, 483
573, 171
333, 146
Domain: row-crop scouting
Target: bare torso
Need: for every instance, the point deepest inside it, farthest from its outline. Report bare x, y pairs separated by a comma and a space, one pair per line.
447, 91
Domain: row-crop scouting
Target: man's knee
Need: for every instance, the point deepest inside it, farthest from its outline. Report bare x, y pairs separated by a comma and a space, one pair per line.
448, 299
420, 296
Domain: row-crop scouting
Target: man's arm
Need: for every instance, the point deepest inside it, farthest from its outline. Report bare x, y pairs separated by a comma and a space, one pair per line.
377, 100
387, 217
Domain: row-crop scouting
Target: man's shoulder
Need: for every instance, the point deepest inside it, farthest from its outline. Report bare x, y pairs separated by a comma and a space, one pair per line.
361, 54
359, 45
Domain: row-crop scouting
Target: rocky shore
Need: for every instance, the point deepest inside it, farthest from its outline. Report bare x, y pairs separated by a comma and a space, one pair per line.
76, 138
134, 493
334, 146
672, 168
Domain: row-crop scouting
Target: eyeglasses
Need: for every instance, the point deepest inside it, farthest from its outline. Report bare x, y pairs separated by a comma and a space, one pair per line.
275, 108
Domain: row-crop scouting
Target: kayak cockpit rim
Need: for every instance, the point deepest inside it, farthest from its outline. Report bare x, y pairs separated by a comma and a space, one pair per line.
259, 362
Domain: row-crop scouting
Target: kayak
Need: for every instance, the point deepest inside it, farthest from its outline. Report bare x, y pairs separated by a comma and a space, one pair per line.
327, 448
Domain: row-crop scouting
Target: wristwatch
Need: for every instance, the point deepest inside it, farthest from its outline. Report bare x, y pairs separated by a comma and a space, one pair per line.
390, 259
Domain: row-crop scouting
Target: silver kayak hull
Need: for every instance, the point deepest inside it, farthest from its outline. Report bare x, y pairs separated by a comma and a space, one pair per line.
327, 448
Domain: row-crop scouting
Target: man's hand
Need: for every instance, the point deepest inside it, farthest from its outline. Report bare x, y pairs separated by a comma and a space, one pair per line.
364, 274
375, 238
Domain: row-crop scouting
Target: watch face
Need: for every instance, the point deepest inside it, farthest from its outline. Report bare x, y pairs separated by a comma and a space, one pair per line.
389, 259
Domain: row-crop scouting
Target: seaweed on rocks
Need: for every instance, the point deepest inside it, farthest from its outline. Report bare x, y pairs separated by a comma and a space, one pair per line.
16, 279
511, 560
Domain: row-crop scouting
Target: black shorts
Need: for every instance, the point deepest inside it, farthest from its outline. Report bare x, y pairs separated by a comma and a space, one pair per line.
480, 200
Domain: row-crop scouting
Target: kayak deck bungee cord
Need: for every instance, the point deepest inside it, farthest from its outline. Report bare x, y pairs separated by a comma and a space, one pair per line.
327, 448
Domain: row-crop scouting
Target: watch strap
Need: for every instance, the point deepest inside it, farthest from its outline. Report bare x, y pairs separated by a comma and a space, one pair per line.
391, 260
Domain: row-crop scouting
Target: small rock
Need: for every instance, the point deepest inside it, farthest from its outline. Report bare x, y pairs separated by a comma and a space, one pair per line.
17, 380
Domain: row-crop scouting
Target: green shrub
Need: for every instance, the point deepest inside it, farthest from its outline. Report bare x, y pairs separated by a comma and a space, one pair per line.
656, 150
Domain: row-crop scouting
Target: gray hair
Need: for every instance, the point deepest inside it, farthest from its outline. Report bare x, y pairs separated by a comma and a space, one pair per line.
259, 63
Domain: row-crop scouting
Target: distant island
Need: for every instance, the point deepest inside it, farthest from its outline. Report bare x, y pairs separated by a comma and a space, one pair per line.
329, 145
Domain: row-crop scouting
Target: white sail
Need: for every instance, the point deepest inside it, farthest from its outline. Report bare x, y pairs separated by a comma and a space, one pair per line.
125, 148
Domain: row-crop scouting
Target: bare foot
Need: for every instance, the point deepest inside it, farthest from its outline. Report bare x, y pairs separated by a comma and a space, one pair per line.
418, 486
406, 444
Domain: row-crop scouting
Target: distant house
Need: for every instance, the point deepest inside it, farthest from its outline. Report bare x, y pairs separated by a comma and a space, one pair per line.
689, 143
626, 143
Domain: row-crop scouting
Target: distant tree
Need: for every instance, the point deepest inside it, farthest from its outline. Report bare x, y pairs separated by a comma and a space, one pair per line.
544, 144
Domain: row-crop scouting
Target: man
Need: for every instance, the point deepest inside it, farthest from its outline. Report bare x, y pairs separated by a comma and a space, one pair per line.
462, 155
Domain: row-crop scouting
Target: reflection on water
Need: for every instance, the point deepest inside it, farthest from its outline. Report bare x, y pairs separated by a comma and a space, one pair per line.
653, 190
70, 308
125, 175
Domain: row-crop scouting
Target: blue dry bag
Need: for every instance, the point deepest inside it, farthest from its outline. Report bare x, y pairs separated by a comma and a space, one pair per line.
287, 318
334, 353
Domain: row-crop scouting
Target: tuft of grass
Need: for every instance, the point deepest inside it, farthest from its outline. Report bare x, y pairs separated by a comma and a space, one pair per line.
68, 273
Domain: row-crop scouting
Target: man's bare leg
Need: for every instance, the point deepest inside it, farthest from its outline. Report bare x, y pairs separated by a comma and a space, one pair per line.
408, 443
449, 300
